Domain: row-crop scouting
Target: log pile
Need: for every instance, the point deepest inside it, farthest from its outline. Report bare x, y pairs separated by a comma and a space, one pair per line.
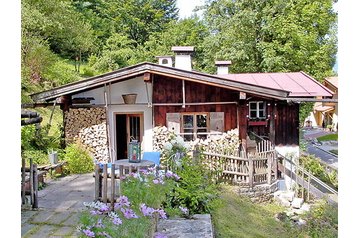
161, 135
88, 125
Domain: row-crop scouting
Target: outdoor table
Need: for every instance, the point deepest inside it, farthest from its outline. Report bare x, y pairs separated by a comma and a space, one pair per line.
135, 166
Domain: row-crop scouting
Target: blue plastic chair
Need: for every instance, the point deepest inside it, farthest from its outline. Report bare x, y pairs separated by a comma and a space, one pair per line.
152, 156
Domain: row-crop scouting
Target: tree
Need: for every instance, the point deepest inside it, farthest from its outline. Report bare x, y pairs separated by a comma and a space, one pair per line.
139, 18
272, 35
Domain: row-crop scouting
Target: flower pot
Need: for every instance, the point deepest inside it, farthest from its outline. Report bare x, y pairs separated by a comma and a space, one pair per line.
129, 98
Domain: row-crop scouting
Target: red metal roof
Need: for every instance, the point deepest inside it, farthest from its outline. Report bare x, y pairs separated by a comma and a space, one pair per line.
298, 83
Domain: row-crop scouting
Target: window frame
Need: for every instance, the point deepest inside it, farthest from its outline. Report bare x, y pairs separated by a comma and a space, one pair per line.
195, 128
257, 110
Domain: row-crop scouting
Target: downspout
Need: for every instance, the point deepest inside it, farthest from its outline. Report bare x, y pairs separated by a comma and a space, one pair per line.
107, 122
183, 88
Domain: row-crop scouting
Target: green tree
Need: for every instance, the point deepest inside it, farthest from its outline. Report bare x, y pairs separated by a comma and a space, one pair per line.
273, 35
185, 32
139, 18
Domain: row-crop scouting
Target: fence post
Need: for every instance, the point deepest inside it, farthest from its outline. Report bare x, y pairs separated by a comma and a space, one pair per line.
23, 177
36, 187
97, 186
105, 176
31, 181
113, 169
269, 173
121, 167
251, 172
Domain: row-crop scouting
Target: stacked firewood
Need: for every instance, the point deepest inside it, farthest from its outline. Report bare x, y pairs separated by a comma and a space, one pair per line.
88, 125
161, 135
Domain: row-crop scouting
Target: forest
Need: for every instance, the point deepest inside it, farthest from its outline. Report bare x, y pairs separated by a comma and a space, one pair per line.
63, 41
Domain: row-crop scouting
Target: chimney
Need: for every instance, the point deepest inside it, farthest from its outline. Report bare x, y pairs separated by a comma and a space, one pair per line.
165, 60
183, 56
223, 66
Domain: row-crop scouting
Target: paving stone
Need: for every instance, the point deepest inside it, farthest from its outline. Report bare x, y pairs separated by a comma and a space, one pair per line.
26, 227
43, 231
27, 215
42, 217
73, 220
64, 231
59, 217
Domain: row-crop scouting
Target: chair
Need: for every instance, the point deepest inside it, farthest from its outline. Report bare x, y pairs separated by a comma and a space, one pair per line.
153, 156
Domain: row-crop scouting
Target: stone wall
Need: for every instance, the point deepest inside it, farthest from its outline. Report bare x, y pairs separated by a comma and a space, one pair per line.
89, 126
259, 193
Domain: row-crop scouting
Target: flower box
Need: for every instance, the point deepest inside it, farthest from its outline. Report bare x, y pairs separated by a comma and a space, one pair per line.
257, 123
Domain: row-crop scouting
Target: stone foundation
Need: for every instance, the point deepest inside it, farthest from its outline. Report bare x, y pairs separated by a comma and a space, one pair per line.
259, 193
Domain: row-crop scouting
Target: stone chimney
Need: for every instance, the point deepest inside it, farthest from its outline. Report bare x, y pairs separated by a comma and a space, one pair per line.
183, 57
223, 66
165, 60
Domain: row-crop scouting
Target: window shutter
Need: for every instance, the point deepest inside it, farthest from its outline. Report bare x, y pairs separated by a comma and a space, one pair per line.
173, 122
217, 122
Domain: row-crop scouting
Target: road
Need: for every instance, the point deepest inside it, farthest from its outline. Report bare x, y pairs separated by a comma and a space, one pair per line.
323, 155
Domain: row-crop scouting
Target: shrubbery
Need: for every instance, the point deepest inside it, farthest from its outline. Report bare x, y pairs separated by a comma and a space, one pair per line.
78, 159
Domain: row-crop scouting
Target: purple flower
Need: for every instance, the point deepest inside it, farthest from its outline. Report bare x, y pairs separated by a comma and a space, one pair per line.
99, 224
104, 208
155, 181
169, 174
128, 213
184, 210
162, 214
117, 221
103, 233
147, 211
176, 177
122, 201
95, 212
88, 233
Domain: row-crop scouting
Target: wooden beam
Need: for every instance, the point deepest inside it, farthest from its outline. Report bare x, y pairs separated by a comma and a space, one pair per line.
298, 100
146, 77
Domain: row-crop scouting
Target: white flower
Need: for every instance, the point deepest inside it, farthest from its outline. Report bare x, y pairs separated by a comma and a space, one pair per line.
168, 146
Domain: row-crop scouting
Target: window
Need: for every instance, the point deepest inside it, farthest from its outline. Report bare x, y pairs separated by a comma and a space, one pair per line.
257, 110
194, 126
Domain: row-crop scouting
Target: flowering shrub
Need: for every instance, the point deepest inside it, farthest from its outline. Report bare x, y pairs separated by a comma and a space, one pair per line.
173, 151
134, 211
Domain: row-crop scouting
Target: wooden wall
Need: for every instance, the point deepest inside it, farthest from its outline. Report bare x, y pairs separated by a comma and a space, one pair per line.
169, 90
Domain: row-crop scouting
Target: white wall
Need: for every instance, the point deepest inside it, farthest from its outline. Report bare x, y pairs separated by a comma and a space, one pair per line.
116, 105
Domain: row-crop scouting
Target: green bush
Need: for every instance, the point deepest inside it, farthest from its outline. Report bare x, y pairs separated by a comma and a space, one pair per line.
322, 220
38, 157
195, 189
78, 159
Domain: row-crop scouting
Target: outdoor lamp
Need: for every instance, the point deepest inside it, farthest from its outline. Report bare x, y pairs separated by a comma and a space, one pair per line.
134, 152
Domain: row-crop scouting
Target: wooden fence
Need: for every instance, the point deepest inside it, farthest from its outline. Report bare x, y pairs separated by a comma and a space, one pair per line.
29, 183
249, 169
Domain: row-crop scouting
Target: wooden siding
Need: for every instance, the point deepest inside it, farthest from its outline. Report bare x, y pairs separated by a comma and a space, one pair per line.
169, 90
287, 124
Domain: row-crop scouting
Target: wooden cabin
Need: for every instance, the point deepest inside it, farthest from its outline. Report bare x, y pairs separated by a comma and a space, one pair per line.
192, 104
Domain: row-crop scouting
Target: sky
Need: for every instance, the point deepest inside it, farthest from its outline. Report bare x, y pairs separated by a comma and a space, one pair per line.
187, 6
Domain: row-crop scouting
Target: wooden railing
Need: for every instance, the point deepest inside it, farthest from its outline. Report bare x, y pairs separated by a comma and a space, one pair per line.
29, 183
245, 169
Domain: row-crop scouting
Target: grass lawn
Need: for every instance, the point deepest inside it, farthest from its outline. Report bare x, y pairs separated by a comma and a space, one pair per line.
328, 137
236, 216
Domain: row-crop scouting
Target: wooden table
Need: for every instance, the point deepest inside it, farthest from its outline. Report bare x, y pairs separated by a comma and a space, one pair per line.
134, 166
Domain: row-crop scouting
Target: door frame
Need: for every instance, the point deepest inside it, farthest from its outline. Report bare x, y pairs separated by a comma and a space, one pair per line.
141, 126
